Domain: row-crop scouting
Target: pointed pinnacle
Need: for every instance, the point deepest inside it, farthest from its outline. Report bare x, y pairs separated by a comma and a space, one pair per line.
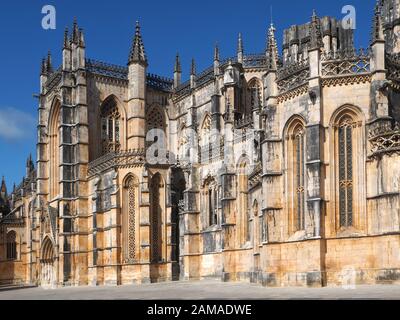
240, 43
75, 31
49, 67
178, 68
216, 52
137, 53
193, 68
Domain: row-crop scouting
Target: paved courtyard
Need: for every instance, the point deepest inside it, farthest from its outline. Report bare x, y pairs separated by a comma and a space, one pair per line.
200, 291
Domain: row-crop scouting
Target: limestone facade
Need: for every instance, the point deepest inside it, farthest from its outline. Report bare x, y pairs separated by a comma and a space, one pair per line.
277, 169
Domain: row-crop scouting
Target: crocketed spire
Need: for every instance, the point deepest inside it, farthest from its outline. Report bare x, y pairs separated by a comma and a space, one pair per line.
216, 52
193, 68
240, 44
137, 54
272, 48
75, 32
377, 27
315, 32
178, 67
49, 65
67, 43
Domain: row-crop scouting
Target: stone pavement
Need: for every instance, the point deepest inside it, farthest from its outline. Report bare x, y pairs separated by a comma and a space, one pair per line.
202, 290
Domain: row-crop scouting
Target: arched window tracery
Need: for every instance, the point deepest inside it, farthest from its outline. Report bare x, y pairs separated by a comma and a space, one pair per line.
11, 245
296, 174
345, 157
110, 127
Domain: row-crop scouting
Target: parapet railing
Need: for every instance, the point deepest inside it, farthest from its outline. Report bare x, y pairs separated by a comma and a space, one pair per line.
345, 62
117, 159
293, 75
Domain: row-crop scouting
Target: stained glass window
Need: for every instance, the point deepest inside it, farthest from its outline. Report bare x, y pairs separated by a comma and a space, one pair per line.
110, 128
346, 173
11, 245
299, 179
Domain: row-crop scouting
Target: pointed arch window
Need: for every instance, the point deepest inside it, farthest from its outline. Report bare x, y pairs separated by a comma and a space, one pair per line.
345, 139
11, 245
299, 178
110, 128
296, 177
255, 93
210, 197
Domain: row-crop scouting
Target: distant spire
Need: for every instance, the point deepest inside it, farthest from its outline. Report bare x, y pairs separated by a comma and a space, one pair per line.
315, 32
137, 53
43, 69
377, 27
272, 48
66, 39
216, 52
75, 31
49, 66
3, 189
193, 68
178, 67
81, 41
240, 44
240, 53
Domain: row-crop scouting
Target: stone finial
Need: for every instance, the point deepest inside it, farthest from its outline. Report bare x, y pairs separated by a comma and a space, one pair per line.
43, 69
377, 27
178, 67
240, 49
193, 68
216, 53
240, 44
272, 48
81, 41
67, 43
315, 32
137, 54
75, 32
49, 65
3, 188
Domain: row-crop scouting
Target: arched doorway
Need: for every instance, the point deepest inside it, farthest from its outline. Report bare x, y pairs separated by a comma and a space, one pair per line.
47, 264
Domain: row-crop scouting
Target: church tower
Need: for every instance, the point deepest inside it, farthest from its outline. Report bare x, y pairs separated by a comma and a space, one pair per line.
137, 68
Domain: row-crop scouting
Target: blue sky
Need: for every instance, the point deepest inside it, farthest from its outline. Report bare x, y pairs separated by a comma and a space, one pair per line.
190, 27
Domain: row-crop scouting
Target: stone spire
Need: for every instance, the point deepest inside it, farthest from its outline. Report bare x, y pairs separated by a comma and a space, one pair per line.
193, 68
43, 68
377, 27
3, 189
193, 74
272, 49
75, 32
49, 65
216, 60
137, 54
81, 39
240, 52
177, 71
216, 53
178, 67
29, 166
67, 43
315, 32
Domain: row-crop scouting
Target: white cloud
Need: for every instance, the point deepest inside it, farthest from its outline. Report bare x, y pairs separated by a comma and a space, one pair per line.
15, 124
